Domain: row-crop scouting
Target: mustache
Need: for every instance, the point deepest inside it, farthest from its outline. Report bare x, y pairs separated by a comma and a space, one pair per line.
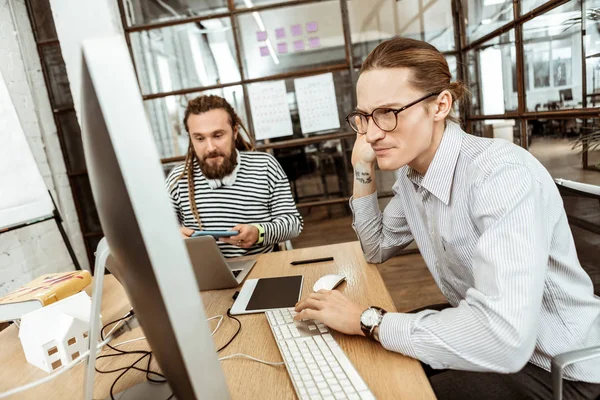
214, 154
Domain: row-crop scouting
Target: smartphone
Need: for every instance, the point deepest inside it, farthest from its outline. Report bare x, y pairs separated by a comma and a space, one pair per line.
215, 234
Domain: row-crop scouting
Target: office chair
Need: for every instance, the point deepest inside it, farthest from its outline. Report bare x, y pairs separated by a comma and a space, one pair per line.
561, 361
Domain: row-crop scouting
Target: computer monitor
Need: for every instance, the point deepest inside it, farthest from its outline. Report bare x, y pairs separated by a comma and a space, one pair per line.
150, 258
566, 94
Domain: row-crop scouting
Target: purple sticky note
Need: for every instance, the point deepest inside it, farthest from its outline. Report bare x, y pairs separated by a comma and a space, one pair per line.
314, 42
311, 26
298, 45
296, 30
282, 48
280, 33
261, 36
264, 51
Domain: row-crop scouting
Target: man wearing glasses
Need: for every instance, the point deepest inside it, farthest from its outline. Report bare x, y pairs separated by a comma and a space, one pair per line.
490, 224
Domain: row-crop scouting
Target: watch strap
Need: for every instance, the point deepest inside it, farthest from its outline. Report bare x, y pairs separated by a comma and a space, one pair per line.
261, 233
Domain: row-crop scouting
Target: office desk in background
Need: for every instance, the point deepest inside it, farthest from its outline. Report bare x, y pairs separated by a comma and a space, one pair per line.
389, 375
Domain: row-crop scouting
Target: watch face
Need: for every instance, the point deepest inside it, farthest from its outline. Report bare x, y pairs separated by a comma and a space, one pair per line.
370, 317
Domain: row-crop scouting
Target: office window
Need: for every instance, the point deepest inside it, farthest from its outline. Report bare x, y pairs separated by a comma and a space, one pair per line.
290, 39
490, 76
592, 52
245, 4
185, 56
57, 76
142, 12
507, 129
451, 60
42, 19
552, 43
166, 114
370, 23
485, 16
343, 95
528, 5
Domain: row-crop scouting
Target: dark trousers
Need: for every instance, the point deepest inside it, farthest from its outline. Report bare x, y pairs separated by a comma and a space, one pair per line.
531, 382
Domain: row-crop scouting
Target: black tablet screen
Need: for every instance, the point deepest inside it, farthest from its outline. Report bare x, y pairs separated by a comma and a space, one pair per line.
280, 292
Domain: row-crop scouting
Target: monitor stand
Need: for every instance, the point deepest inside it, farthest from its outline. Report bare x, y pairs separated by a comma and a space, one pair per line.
146, 390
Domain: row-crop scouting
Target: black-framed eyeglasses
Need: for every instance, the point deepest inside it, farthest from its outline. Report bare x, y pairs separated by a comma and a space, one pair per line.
385, 118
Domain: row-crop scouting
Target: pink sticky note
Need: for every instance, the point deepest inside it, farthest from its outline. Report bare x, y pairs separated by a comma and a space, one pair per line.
280, 33
299, 45
311, 27
264, 51
296, 30
261, 36
314, 42
282, 48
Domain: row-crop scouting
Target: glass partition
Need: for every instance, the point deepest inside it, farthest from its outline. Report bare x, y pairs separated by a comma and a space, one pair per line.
185, 56
485, 16
552, 45
492, 76
373, 22
142, 12
290, 39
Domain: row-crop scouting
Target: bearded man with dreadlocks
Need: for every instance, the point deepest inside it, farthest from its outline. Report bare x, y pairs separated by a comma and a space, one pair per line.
225, 185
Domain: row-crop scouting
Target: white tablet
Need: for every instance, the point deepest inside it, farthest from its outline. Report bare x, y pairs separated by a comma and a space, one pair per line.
259, 295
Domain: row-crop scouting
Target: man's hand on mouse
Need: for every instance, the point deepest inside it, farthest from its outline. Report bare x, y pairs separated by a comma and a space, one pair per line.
333, 309
247, 236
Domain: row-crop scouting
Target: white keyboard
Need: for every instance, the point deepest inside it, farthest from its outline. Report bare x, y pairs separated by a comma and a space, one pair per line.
318, 367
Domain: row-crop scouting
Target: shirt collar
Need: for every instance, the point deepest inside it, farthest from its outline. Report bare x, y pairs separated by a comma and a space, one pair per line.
228, 180
440, 175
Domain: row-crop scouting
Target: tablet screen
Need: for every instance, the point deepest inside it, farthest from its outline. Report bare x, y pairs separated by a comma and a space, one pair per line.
280, 292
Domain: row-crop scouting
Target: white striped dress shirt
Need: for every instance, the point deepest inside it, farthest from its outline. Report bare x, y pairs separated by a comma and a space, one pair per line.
491, 226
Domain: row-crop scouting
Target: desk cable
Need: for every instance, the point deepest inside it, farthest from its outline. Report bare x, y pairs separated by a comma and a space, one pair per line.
113, 334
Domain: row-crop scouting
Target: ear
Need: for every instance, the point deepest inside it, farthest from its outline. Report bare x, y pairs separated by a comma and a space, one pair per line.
236, 130
443, 106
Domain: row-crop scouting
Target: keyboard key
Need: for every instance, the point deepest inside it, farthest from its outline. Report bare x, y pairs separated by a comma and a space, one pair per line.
345, 383
349, 390
326, 392
312, 328
339, 395
335, 388
366, 395
322, 385
310, 384
312, 391
353, 396
332, 381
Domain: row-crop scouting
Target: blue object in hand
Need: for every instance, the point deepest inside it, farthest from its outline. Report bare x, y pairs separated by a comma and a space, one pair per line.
215, 234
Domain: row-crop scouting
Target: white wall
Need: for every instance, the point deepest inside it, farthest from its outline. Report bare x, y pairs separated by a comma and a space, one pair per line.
29, 252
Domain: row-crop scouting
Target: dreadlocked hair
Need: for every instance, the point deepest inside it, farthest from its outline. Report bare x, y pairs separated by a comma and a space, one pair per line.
199, 105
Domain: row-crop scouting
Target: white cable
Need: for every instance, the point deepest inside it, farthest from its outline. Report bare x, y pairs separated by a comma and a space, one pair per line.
128, 341
251, 358
218, 323
61, 371
144, 337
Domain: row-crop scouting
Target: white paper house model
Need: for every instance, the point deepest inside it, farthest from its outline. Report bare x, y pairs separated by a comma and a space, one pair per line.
54, 335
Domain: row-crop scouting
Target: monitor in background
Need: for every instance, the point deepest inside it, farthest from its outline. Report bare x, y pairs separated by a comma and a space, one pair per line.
565, 95
139, 223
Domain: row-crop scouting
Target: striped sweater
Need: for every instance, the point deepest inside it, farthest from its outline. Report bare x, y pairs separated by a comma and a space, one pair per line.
260, 194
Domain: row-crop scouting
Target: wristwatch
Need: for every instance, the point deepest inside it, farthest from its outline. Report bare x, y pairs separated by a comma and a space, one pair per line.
261, 233
370, 320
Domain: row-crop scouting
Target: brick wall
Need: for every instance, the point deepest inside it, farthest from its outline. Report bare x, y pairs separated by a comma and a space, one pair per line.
38, 249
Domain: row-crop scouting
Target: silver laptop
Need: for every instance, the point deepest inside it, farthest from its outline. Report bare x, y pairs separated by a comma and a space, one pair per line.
211, 269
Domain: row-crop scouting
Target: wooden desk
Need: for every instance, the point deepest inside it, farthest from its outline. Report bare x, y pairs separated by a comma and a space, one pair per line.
389, 375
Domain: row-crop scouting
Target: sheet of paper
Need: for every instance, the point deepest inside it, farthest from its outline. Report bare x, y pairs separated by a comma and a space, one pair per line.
317, 104
270, 111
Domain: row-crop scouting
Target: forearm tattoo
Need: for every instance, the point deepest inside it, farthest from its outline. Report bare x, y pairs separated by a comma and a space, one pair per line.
363, 177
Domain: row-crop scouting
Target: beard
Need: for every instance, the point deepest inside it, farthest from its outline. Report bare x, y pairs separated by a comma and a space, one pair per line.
218, 171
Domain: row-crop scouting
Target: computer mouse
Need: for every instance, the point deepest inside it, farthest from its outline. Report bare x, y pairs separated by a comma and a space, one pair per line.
328, 282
